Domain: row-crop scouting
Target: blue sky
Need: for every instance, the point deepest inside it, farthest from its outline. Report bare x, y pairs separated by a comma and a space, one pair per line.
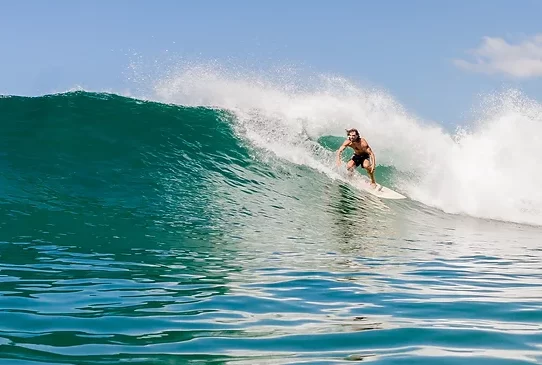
422, 52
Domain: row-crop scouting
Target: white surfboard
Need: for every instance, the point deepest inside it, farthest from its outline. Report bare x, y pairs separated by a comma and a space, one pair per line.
380, 191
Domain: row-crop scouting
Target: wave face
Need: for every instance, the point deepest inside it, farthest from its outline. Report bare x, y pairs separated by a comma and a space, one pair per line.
100, 149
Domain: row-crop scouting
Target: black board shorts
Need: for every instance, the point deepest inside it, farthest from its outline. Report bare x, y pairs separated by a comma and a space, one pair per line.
358, 159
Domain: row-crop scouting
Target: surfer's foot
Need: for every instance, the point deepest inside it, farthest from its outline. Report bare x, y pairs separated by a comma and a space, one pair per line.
373, 185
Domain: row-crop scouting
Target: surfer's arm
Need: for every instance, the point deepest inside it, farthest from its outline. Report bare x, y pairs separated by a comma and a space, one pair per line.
341, 149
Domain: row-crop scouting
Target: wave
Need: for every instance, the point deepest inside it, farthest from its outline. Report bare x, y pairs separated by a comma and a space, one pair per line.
202, 120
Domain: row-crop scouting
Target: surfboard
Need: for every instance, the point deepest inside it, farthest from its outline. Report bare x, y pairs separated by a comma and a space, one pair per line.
363, 183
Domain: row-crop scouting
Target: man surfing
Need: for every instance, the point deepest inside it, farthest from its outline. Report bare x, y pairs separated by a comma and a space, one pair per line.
363, 154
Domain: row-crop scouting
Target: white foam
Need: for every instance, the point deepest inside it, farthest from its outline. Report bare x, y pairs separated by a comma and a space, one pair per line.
489, 171
492, 170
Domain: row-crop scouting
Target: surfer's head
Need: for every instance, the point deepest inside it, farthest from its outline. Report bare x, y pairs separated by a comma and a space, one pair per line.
353, 134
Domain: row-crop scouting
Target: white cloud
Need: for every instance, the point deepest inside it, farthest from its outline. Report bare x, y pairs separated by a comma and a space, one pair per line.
496, 55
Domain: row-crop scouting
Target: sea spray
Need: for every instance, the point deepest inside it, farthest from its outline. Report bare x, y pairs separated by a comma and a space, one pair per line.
491, 168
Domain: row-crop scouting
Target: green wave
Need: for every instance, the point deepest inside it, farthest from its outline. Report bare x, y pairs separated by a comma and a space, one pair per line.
178, 167
96, 151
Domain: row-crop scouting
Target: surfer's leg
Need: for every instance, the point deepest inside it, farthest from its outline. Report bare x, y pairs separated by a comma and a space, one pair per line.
350, 166
367, 167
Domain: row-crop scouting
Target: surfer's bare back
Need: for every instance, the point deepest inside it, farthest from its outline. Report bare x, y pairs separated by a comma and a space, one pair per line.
363, 154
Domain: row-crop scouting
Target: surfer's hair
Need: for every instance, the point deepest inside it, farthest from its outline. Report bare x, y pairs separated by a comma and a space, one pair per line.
348, 131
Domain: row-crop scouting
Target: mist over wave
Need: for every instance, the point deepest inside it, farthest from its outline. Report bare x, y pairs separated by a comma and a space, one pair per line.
486, 169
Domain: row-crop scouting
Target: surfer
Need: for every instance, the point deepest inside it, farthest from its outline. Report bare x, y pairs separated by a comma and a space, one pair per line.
363, 154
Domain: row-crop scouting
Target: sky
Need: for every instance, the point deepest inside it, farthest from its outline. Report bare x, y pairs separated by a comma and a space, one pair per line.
434, 57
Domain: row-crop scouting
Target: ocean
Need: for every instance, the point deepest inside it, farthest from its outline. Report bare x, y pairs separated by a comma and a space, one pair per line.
209, 224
